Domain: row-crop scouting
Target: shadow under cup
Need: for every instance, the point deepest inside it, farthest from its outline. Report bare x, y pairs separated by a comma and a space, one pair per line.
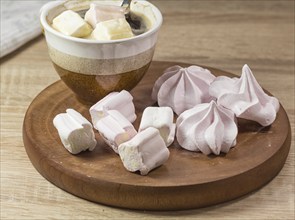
92, 69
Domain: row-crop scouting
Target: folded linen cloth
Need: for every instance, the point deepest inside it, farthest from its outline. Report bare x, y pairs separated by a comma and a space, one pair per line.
19, 23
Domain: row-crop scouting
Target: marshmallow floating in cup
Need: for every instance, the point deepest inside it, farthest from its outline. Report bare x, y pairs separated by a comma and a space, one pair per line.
245, 97
108, 20
99, 13
160, 118
144, 152
112, 30
75, 131
70, 23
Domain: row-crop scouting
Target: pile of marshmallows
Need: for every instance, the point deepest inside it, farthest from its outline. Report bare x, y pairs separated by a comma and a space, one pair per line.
207, 107
102, 22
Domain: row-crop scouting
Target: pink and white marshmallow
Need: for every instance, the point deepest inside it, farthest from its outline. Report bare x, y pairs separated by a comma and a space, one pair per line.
245, 97
208, 128
99, 13
160, 118
75, 131
115, 129
146, 151
120, 101
183, 88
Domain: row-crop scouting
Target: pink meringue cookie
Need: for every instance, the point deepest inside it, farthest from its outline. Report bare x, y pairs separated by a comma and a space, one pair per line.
245, 97
183, 88
208, 128
120, 101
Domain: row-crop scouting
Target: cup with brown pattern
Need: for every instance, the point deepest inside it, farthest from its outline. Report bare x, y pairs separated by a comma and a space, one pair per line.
93, 68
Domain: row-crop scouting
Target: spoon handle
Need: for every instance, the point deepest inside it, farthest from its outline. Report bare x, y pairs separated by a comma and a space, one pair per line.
126, 5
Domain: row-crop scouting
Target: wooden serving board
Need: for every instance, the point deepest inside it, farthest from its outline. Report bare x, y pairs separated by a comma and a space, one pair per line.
187, 180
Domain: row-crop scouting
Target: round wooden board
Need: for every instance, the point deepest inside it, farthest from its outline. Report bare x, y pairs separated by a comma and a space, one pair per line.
187, 180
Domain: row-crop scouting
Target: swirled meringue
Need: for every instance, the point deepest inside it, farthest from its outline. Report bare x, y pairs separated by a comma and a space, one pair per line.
183, 88
208, 128
245, 97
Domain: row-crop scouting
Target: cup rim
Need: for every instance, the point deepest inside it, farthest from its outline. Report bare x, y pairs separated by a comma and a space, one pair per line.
48, 6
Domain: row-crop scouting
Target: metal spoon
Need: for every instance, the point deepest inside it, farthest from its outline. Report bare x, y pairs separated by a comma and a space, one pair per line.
126, 5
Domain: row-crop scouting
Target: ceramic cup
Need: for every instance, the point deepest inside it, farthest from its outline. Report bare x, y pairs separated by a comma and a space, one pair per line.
92, 68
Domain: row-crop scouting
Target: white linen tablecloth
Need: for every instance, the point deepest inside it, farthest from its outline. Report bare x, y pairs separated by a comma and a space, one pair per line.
19, 23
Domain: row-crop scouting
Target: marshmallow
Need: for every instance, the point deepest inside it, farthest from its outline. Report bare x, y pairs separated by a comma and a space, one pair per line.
208, 128
145, 12
120, 101
183, 88
112, 30
245, 97
75, 131
144, 152
70, 23
99, 13
115, 129
160, 118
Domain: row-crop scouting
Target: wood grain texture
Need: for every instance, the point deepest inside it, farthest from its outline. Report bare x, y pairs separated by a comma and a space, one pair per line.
223, 34
199, 180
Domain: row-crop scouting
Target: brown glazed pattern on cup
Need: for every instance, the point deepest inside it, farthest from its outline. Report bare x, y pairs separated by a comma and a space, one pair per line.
91, 88
92, 79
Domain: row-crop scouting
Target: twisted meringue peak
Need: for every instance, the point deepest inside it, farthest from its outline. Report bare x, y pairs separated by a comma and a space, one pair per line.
208, 128
183, 88
245, 97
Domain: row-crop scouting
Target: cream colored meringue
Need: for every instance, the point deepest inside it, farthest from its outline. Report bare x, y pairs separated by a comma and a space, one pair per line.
208, 128
245, 97
115, 129
183, 88
120, 101
160, 118
144, 152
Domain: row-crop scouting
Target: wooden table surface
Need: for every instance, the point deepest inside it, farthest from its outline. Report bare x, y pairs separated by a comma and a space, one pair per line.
222, 34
